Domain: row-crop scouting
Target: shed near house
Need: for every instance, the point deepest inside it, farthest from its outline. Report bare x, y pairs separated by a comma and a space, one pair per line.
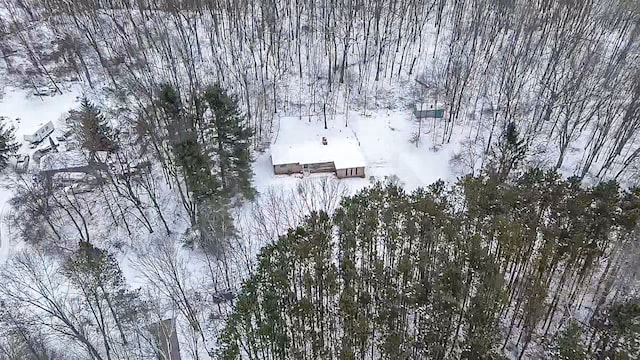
40, 134
338, 156
423, 111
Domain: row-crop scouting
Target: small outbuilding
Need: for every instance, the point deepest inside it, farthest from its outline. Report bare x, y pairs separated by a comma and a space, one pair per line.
22, 163
424, 111
40, 134
341, 157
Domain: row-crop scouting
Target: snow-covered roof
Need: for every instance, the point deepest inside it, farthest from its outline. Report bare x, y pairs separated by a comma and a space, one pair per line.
32, 128
63, 160
343, 154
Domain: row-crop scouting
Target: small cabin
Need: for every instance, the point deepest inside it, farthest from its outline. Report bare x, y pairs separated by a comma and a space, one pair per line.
424, 111
40, 134
341, 157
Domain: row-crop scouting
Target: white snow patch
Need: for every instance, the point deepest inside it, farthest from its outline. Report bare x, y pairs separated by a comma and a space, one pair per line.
27, 113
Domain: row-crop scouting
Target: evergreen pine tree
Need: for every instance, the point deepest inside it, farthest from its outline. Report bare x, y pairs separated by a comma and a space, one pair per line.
482, 335
8, 144
618, 331
231, 142
568, 345
187, 152
173, 118
196, 167
91, 129
507, 154
188, 149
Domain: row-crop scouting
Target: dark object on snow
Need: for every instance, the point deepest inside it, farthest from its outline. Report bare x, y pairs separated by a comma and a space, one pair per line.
422, 111
53, 144
223, 296
38, 154
22, 164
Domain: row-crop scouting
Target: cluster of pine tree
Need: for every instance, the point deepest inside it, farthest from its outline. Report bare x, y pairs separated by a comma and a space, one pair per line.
91, 129
478, 270
203, 143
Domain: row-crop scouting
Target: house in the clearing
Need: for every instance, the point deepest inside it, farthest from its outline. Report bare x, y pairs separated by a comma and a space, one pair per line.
423, 111
341, 157
40, 134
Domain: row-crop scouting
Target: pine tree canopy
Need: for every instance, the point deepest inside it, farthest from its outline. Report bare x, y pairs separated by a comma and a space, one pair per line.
8, 144
231, 139
507, 154
512, 136
204, 140
429, 274
92, 130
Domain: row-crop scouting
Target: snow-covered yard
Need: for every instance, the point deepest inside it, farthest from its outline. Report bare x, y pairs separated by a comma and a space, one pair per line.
384, 139
26, 113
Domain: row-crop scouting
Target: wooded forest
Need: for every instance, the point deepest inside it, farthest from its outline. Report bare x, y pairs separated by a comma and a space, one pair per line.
566, 72
532, 253
476, 270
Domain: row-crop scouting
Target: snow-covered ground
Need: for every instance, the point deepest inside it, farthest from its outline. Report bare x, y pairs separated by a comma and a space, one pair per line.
26, 113
6, 243
384, 138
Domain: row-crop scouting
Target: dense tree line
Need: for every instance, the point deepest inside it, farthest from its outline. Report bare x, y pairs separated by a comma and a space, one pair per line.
566, 73
476, 270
